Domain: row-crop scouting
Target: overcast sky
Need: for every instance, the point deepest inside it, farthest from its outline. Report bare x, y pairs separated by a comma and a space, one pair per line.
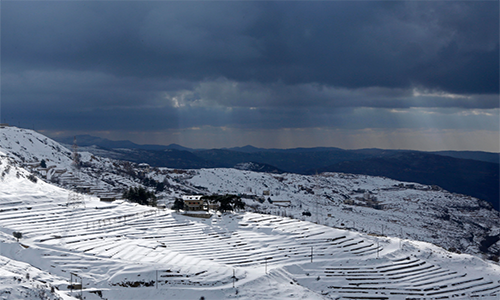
418, 75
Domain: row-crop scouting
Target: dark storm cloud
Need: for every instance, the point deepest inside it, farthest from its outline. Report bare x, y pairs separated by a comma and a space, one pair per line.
52, 118
120, 65
451, 46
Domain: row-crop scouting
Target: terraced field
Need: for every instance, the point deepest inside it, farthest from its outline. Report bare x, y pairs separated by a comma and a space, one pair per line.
120, 246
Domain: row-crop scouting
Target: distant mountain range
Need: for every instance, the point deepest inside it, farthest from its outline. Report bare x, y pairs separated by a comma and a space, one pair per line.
473, 173
88, 140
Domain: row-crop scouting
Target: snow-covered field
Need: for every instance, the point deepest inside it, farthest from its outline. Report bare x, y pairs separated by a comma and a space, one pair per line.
120, 250
125, 251
364, 203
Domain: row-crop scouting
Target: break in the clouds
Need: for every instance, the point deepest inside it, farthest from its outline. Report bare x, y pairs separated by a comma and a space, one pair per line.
274, 68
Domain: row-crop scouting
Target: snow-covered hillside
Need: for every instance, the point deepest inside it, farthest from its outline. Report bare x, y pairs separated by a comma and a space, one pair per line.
27, 148
364, 203
127, 251
367, 204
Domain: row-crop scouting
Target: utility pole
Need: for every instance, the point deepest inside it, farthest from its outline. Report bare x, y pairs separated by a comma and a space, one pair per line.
75, 199
401, 236
378, 249
311, 253
316, 191
156, 279
71, 286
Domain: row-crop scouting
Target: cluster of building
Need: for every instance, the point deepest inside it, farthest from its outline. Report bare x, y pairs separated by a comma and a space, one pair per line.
195, 203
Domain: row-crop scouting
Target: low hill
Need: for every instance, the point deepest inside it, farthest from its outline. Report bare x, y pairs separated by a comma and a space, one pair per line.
170, 157
469, 177
473, 155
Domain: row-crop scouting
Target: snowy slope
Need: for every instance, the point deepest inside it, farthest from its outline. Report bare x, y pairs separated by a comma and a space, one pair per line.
27, 148
125, 251
367, 204
19, 280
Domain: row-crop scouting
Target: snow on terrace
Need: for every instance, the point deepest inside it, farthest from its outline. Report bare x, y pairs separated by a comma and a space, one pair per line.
412, 211
126, 251
19, 280
364, 203
28, 148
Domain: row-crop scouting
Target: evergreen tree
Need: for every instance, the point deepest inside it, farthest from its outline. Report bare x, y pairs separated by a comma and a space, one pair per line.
178, 204
226, 202
140, 195
17, 235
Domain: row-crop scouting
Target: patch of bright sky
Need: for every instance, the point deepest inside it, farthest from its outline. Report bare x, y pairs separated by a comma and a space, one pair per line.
425, 93
427, 129
415, 139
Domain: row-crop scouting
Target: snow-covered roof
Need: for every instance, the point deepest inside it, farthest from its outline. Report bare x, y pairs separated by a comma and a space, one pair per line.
191, 197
